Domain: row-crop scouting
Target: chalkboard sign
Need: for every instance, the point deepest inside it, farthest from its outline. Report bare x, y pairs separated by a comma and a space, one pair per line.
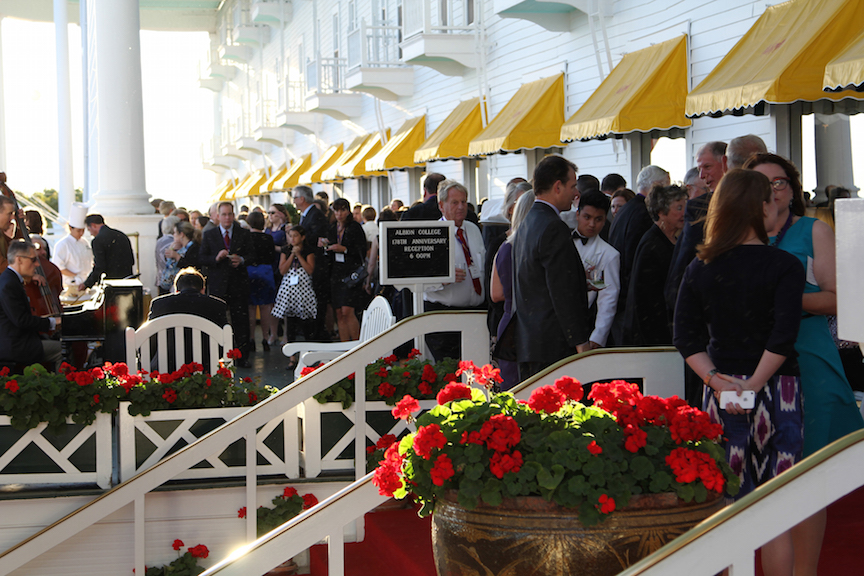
417, 252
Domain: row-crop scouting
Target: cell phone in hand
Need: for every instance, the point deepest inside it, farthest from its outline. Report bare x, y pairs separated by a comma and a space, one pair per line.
747, 400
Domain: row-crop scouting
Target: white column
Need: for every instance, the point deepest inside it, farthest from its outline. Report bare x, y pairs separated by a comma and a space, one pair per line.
66, 189
833, 151
2, 107
115, 73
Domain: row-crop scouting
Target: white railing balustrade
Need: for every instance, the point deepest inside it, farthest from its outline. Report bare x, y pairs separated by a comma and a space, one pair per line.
373, 46
427, 17
312, 75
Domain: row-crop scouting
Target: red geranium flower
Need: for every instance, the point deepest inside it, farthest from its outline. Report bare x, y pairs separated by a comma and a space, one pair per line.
307, 370
177, 544
424, 388
199, 551
253, 398
234, 354
242, 512
570, 387
309, 500
386, 389
605, 504
501, 463
387, 480
546, 399
442, 470
594, 448
428, 374
382, 372
12, 386
487, 375
95, 398
413, 353
453, 391
405, 407
289, 492
427, 439
501, 433
385, 441
169, 395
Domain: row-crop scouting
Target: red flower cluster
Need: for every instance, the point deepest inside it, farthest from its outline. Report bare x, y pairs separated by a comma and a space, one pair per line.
424, 388
386, 389
594, 448
177, 544
82, 378
306, 370
548, 399
450, 378
5, 370
453, 391
253, 398
413, 353
501, 463
385, 442
689, 424
119, 369
485, 376
691, 465
427, 439
242, 512
405, 407
169, 395
570, 387
382, 372
501, 433
387, 479
234, 354
95, 399
224, 372
390, 360
289, 492
199, 551
309, 500
442, 470
605, 504
12, 386
129, 381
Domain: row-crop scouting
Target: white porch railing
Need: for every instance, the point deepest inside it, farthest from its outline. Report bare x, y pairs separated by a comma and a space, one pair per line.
419, 17
326, 75
474, 336
373, 46
292, 96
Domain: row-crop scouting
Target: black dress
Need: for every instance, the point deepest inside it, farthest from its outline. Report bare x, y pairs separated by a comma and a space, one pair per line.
354, 239
646, 321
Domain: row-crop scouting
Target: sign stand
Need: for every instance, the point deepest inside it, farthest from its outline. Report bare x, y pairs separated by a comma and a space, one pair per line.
416, 254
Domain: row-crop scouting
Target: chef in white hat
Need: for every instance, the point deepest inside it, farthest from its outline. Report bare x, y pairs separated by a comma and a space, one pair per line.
72, 254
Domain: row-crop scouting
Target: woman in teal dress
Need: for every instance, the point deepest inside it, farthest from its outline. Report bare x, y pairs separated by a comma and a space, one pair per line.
830, 411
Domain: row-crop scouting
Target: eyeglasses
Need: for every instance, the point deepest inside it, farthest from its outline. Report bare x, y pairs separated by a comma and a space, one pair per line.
779, 184
33, 259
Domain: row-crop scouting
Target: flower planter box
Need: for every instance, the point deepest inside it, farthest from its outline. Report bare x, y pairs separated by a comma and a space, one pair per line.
327, 433
145, 440
80, 454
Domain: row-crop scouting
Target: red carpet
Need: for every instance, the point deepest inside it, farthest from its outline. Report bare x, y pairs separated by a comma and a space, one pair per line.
399, 542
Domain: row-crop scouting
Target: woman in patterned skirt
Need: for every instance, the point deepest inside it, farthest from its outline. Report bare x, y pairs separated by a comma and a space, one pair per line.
736, 321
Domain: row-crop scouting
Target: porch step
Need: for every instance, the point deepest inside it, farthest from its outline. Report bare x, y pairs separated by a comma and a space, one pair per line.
397, 542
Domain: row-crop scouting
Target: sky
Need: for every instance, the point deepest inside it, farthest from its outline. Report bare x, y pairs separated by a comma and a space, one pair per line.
178, 114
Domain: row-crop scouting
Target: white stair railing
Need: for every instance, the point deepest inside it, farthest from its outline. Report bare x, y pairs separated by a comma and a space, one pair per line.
475, 338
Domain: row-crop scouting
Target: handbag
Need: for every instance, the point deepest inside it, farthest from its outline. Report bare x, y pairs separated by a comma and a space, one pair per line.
356, 277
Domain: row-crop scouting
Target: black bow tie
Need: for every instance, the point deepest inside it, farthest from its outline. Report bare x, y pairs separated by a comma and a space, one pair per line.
576, 235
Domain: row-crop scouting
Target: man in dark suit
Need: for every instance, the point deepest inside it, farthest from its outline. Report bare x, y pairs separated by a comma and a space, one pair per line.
112, 252
19, 328
224, 250
630, 224
429, 209
315, 223
551, 298
190, 299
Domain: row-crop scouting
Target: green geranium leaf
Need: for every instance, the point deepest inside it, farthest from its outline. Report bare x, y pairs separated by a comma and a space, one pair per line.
550, 479
641, 467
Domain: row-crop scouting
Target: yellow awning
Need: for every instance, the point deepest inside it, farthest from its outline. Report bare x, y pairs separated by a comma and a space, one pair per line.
313, 174
292, 176
232, 193
223, 188
644, 92
846, 71
781, 59
356, 166
278, 174
451, 138
531, 119
331, 174
399, 150
259, 177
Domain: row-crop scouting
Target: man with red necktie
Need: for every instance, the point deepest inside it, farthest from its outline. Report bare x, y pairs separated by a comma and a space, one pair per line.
467, 292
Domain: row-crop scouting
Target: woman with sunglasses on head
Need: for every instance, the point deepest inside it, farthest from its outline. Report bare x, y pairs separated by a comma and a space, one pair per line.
830, 411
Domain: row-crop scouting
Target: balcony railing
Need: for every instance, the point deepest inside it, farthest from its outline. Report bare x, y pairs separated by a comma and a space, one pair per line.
374, 46
265, 113
292, 96
420, 17
326, 75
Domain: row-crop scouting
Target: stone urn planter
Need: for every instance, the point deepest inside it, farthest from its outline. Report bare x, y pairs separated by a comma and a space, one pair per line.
532, 537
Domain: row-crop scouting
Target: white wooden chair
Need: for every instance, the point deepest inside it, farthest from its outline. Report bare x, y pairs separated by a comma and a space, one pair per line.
138, 352
377, 318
